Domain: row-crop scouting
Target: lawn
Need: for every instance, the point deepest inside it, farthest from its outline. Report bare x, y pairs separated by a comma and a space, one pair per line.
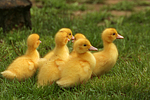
128, 79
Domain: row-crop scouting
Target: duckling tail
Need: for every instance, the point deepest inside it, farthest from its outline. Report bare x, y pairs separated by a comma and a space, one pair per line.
8, 74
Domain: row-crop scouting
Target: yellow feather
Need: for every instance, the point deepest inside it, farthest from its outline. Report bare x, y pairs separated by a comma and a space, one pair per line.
106, 58
24, 66
78, 69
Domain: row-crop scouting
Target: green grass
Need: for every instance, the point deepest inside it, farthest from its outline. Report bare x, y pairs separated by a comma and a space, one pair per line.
125, 5
122, 6
128, 79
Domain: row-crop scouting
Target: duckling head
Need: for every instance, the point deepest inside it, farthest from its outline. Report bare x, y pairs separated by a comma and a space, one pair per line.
83, 45
61, 38
69, 33
110, 34
33, 40
78, 36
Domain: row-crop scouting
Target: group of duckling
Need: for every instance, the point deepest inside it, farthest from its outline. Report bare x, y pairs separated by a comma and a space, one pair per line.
60, 66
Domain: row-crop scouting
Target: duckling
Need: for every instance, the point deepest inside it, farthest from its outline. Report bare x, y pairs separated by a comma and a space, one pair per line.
49, 72
78, 69
106, 58
24, 66
76, 37
69, 36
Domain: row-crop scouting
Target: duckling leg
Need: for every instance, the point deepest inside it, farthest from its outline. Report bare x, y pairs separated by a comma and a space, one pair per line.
8, 74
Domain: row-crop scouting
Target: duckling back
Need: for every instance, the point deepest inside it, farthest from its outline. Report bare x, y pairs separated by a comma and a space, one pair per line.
21, 68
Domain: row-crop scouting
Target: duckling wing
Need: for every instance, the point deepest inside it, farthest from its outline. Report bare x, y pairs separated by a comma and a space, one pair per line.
49, 73
102, 64
70, 74
31, 65
59, 62
86, 71
85, 65
101, 60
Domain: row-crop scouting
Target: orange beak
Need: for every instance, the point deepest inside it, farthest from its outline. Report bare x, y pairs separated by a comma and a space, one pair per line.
72, 38
92, 48
119, 37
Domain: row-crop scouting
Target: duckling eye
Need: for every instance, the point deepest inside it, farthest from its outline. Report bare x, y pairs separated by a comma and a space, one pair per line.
114, 33
69, 33
84, 45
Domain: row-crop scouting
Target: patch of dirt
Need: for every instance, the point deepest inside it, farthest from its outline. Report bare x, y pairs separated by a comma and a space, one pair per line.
140, 8
121, 13
95, 7
110, 2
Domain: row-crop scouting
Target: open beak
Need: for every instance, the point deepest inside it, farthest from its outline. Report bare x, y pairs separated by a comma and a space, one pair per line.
40, 41
92, 48
119, 37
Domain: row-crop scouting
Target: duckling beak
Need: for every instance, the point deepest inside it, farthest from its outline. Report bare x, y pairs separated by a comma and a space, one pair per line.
119, 37
68, 39
92, 48
40, 41
72, 38
72, 41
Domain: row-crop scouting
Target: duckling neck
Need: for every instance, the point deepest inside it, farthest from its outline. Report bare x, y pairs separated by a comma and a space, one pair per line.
33, 53
110, 48
61, 51
84, 56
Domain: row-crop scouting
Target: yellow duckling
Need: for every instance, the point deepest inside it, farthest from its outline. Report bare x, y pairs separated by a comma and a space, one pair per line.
78, 69
76, 37
106, 58
25, 66
69, 36
49, 72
